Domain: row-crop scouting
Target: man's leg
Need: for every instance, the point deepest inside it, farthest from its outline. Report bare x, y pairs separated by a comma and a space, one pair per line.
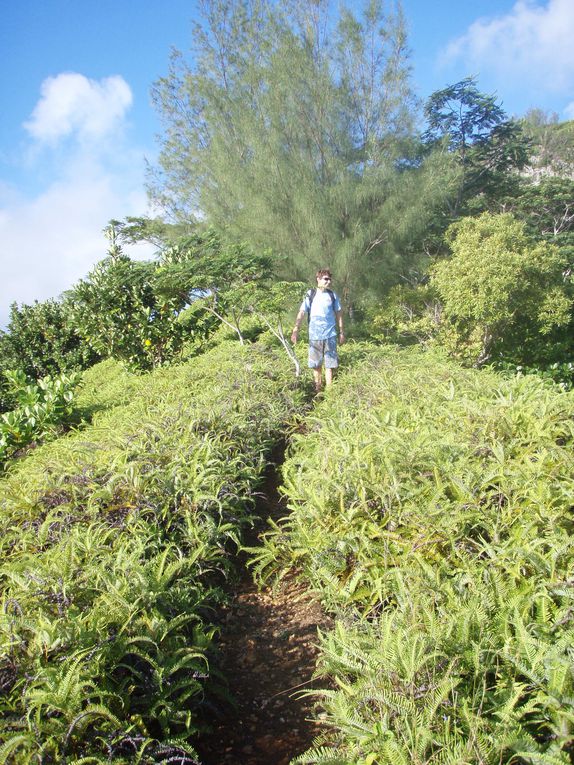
316, 352
331, 360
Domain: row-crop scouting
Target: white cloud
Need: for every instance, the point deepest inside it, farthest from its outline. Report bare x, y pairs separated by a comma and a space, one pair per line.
569, 111
530, 47
73, 104
51, 241
53, 237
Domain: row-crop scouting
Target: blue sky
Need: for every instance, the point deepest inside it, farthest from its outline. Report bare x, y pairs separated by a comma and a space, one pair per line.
77, 123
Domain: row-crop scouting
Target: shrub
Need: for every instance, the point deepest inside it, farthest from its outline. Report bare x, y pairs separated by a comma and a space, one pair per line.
408, 314
503, 295
115, 541
43, 408
119, 313
40, 340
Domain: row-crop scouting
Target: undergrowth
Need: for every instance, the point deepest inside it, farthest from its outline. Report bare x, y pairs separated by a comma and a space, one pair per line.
44, 408
115, 541
431, 508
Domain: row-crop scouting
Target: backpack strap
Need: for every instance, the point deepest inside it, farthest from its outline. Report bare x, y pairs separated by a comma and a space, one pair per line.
311, 295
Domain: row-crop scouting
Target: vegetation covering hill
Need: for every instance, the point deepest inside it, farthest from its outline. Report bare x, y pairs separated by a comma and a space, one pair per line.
115, 541
430, 494
552, 143
431, 507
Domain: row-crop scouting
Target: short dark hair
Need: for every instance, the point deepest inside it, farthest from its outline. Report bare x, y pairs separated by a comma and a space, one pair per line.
323, 272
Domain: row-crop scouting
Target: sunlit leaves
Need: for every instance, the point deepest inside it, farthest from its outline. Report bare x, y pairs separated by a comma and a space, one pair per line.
501, 293
115, 542
431, 509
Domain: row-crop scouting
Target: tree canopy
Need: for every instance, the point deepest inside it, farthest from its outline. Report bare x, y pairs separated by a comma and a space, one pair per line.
503, 295
293, 128
487, 144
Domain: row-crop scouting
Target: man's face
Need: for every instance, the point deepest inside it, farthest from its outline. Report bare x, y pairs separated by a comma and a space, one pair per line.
324, 281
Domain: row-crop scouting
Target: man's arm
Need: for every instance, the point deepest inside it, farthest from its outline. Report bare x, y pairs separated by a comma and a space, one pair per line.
298, 321
339, 317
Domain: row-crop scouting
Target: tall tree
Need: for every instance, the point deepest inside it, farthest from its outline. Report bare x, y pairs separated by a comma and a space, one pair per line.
487, 145
291, 129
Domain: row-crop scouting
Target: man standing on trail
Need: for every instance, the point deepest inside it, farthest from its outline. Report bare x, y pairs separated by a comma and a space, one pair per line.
324, 312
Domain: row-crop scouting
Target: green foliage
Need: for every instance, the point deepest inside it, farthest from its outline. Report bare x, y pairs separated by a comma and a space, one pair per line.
114, 544
408, 314
266, 302
120, 314
463, 115
134, 229
131, 310
547, 210
485, 143
43, 407
503, 295
293, 129
41, 339
107, 385
552, 141
431, 510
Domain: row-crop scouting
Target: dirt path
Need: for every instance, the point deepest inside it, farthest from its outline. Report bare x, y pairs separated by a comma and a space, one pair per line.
268, 653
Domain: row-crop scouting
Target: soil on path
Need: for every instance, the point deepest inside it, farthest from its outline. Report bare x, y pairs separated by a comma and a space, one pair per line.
268, 649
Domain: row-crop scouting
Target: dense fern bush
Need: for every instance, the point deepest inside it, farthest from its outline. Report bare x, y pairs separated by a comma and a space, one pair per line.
115, 541
432, 509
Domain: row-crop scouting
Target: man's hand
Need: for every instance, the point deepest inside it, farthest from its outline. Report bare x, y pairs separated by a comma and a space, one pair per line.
341, 337
294, 335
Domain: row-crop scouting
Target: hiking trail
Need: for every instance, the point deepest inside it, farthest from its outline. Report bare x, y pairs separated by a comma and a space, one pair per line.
267, 653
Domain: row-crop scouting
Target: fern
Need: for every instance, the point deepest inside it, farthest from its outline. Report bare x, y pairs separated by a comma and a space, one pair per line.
114, 543
436, 523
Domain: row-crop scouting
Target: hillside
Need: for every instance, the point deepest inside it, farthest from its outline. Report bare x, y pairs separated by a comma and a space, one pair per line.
116, 541
427, 506
552, 147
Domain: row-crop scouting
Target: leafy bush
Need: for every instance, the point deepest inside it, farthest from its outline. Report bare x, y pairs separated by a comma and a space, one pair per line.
545, 207
40, 340
120, 314
503, 298
503, 295
408, 314
431, 509
134, 311
43, 408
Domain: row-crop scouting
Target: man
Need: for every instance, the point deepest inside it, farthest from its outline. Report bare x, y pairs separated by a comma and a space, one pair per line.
324, 311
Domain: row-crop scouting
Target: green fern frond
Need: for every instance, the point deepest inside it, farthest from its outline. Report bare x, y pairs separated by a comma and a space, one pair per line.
322, 755
13, 744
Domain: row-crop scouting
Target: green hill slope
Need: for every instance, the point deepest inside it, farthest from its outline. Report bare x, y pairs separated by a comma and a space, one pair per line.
115, 541
431, 507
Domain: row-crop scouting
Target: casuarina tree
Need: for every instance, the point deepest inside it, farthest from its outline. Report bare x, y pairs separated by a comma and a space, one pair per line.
291, 127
